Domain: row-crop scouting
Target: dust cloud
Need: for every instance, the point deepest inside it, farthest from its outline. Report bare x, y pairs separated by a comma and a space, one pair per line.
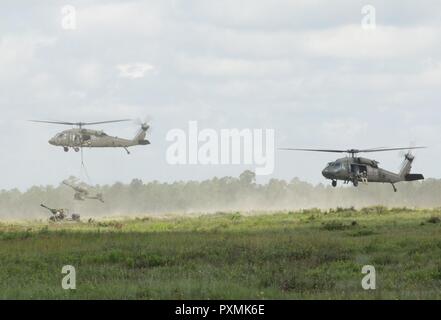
226, 194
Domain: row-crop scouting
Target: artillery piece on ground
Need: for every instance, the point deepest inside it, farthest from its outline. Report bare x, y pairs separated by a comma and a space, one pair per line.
61, 214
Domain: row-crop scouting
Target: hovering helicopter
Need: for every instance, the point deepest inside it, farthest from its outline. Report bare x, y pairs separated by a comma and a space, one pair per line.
81, 192
78, 138
356, 169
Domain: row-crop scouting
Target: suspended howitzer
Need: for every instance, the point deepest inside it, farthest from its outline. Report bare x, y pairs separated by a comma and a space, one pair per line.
82, 193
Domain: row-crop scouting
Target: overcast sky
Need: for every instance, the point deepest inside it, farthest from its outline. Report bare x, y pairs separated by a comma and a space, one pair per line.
305, 68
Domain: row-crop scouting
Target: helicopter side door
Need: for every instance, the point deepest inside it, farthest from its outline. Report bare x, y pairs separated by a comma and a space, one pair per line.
346, 168
86, 140
373, 174
77, 139
70, 139
360, 171
74, 139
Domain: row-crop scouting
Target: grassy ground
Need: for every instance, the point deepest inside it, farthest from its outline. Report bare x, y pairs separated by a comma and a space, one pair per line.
287, 255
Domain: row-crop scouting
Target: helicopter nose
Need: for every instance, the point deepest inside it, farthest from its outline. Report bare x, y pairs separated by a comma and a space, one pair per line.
52, 141
325, 172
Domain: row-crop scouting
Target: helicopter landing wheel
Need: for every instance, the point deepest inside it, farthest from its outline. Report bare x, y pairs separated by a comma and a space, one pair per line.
77, 149
334, 183
355, 183
66, 149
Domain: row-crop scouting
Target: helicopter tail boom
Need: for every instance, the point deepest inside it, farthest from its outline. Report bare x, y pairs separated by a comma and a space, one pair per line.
140, 136
407, 167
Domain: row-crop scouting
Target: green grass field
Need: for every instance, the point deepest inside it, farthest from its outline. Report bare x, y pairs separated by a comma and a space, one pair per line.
286, 255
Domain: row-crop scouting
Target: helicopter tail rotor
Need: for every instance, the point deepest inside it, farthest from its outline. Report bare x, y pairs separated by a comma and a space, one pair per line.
145, 128
406, 168
144, 123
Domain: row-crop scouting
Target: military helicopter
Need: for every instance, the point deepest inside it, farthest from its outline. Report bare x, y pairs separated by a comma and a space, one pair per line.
78, 138
81, 192
356, 169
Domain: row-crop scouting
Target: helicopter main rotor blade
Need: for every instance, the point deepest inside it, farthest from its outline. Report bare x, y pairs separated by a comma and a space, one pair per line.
80, 124
54, 122
103, 122
352, 151
314, 150
390, 149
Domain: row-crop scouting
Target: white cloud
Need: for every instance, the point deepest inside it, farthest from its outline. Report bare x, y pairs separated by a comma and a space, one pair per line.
89, 74
17, 53
353, 42
134, 70
229, 67
130, 18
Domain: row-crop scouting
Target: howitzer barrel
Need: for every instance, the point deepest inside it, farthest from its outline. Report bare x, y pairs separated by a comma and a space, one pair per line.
53, 211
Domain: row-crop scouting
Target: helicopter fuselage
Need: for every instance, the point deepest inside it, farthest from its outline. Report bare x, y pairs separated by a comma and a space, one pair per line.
357, 169
360, 170
82, 138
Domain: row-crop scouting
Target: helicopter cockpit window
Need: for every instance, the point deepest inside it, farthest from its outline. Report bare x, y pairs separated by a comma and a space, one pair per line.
335, 165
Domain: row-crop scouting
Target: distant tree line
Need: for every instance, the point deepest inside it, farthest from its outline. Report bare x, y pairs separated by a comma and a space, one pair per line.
217, 194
